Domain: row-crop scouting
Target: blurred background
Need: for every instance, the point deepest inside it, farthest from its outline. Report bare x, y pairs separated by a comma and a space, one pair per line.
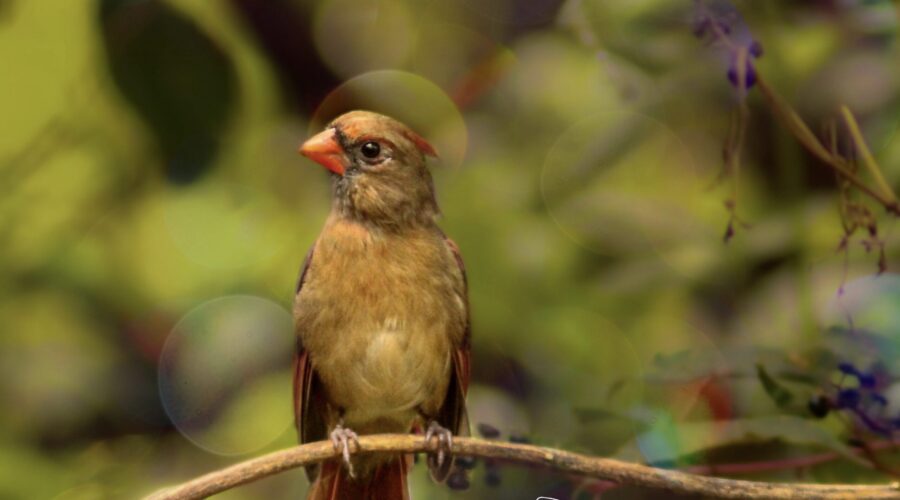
154, 214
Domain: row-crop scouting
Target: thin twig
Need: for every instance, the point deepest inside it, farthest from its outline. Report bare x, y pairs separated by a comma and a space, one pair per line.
603, 468
868, 159
801, 132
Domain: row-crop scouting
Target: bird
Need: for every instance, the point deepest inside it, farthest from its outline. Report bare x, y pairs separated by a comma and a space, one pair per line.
381, 312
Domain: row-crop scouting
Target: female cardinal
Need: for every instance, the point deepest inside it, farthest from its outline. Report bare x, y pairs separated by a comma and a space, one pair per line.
381, 311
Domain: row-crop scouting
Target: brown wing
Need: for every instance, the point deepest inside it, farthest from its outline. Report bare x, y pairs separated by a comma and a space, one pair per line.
462, 355
309, 407
452, 414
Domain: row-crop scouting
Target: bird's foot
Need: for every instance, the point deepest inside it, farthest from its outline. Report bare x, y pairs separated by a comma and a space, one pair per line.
341, 437
444, 440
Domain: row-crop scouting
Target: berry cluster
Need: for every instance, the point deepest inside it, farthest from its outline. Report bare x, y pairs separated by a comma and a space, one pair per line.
459, 479
717, 28
863, 400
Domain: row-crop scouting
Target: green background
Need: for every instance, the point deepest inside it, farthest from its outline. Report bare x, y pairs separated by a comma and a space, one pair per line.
148, 169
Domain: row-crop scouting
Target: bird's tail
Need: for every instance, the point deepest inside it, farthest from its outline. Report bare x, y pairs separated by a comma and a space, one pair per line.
386, 481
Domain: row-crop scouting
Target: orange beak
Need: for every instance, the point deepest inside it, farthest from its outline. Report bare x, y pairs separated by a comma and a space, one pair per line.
324, 149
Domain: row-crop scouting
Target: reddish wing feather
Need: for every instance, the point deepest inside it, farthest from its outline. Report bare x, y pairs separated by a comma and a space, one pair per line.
308, 403
452, 413
461, 361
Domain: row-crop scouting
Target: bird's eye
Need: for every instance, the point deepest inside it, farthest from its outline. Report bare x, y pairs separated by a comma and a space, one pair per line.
370, 150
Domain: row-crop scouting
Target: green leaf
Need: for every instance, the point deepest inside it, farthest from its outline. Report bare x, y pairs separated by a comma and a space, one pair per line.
175, 76
779, 394
669, 441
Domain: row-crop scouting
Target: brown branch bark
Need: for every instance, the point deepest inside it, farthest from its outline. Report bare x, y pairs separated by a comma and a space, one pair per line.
603, 468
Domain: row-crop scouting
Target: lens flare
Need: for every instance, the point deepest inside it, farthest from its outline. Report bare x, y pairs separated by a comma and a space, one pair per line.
660, 445
863, 321
224, 374
465, 63
413, 100
354, 37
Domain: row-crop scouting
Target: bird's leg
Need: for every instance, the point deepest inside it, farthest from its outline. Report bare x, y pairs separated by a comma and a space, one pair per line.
341, 437
444, 437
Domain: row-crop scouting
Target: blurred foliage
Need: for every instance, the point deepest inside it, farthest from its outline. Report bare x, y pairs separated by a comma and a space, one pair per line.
174, 77
148, 169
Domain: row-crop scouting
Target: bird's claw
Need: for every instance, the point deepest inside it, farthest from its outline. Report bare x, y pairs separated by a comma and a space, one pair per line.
444, 437
341, 437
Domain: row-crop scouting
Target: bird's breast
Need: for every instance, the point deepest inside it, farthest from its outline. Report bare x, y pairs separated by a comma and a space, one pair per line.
379, 317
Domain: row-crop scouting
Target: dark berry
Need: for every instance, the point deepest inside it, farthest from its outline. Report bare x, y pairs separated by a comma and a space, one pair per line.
465, 462
519, 438
879, 399
755, 49
492, 478
488, 431
819, 406
458, 480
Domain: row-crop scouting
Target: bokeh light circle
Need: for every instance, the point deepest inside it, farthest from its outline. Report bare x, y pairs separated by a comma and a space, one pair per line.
224, 374
354, 37
622, 183
862, 321
464, 62
407, 97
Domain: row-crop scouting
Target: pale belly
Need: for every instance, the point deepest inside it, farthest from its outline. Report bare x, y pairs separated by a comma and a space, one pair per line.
386, 376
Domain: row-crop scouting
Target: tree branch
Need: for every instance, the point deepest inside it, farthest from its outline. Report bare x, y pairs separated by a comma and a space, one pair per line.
603, 468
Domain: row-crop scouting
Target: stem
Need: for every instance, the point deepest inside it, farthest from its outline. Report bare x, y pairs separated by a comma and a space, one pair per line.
603, 468
868, 159
801, 132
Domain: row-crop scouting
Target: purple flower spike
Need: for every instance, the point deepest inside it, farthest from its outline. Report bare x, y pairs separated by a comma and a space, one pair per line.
848, 369
866, 380
701, 27
710, 27
848, 398
755, 49
749, 76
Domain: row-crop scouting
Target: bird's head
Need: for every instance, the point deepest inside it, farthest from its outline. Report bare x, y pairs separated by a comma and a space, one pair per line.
378, 166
